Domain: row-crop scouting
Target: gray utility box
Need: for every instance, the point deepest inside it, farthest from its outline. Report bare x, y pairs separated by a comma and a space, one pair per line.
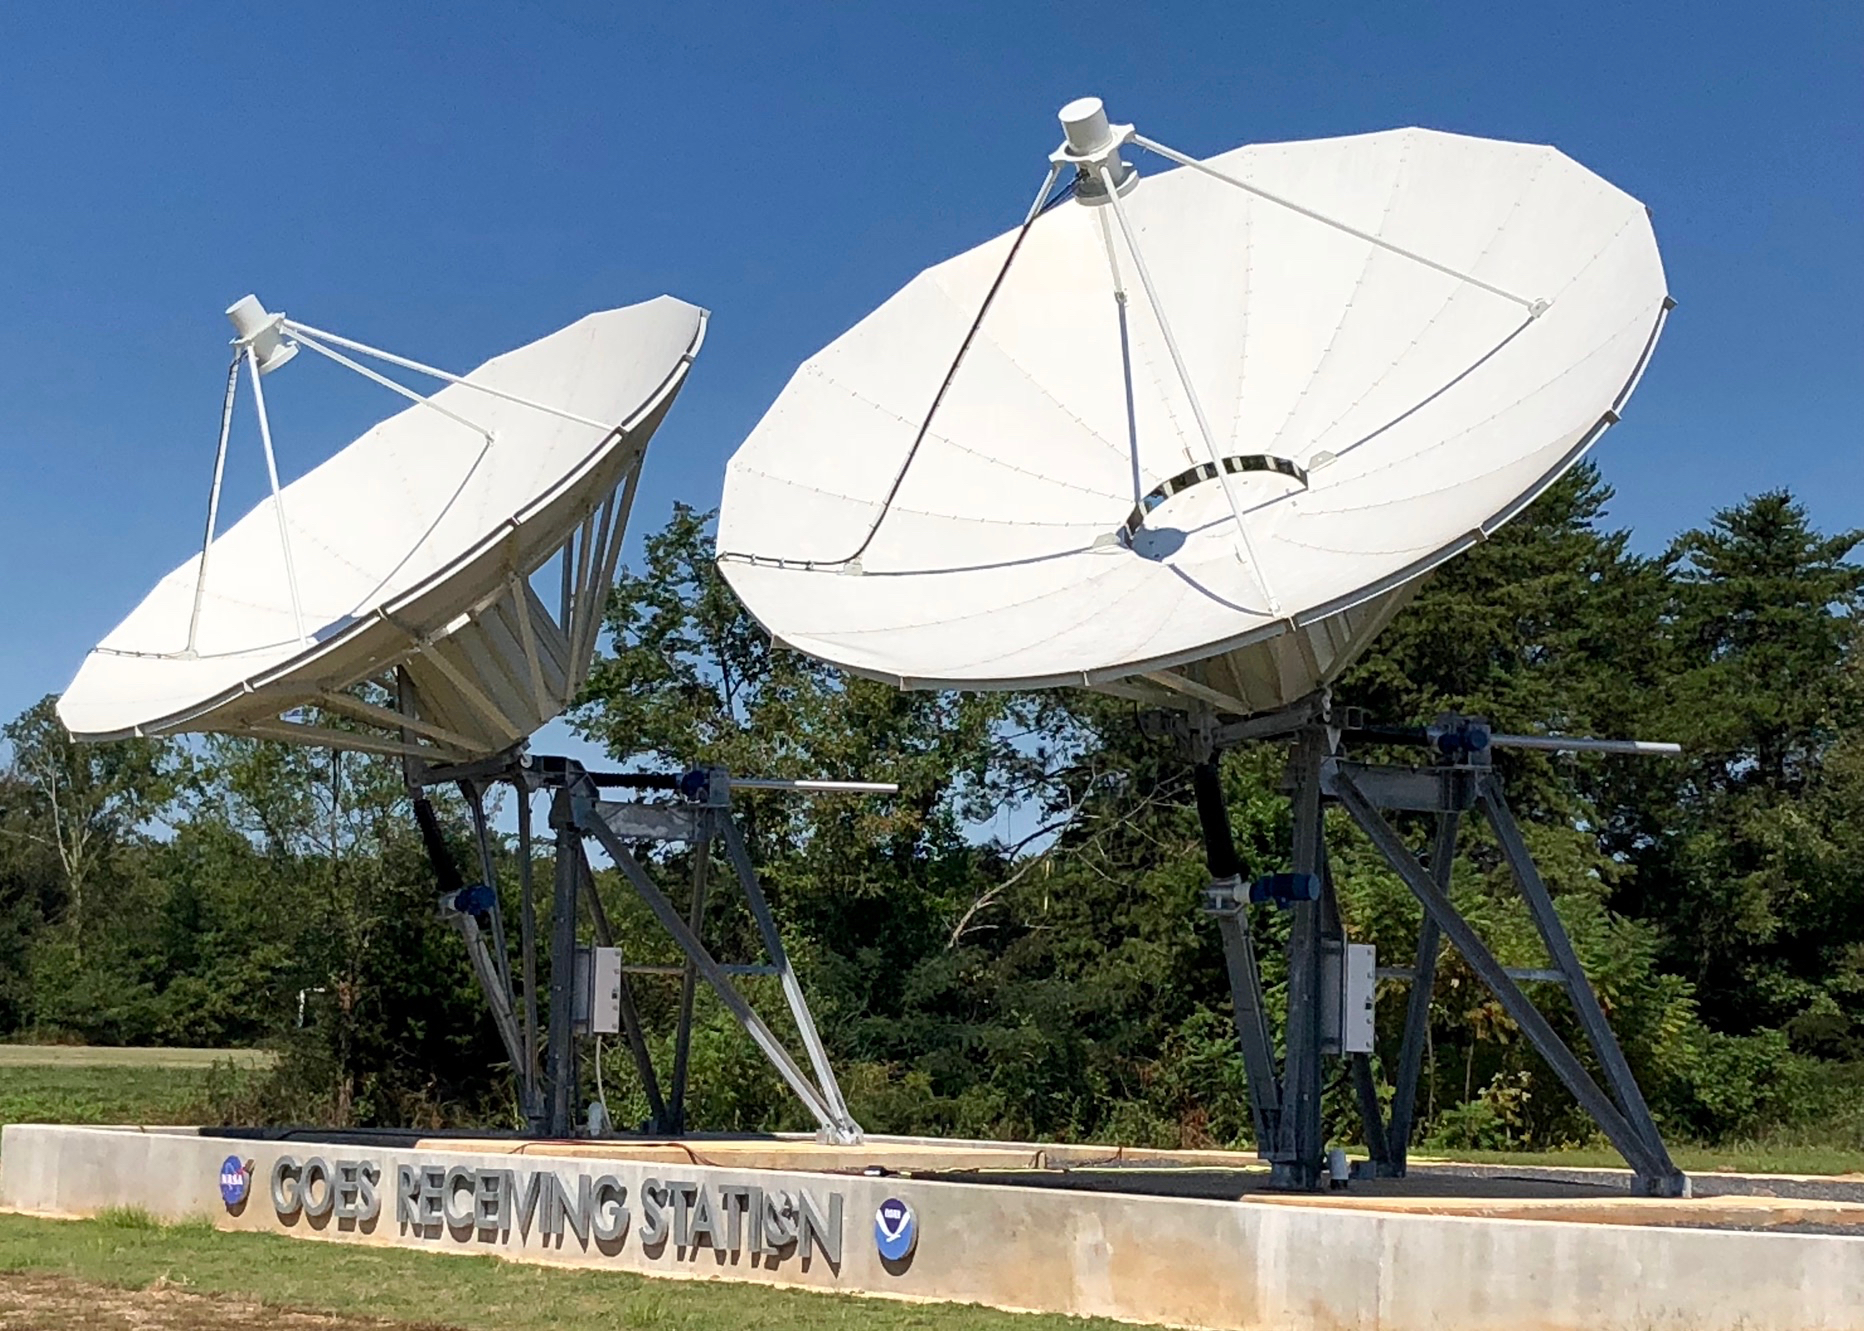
597, 1004
1348, 987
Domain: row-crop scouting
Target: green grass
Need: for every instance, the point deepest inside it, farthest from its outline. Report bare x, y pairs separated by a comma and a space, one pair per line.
128, 1249
1785, 1157
87, 1093
104, 1056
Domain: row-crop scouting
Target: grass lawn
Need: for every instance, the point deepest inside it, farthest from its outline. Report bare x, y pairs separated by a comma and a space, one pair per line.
1740, 1158
62, 1084
128, 1250
102, 1056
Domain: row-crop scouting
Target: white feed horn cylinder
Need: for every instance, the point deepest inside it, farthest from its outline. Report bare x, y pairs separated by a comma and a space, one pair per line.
257, 328
1088, 135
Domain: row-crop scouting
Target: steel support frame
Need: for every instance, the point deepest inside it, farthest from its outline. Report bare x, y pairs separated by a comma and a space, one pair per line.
578, 815
1286, 1106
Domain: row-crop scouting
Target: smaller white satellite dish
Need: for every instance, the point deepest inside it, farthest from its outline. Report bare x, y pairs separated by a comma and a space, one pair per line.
1194, 436
406, 559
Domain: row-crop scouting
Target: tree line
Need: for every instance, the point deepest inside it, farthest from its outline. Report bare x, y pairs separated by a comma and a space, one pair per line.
1013, 945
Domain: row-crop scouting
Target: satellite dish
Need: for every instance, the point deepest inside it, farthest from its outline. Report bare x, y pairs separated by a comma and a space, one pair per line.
406, 558
1194, 436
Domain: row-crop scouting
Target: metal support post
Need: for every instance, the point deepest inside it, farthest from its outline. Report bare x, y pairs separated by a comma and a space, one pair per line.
658, 1118
527, 944
1300, 1148
496, 996
1365, 1085
1228, 901
562, 1035
1417, 1009
689, 982
488, 874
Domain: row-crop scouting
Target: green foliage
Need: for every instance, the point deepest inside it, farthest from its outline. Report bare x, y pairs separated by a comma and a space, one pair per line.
1013, 946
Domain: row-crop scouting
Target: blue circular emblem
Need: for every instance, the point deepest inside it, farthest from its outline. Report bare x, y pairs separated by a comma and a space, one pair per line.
896, 1229
235, 1180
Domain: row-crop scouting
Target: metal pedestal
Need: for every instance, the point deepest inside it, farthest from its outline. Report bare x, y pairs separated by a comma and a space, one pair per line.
696, 812
1285, 1100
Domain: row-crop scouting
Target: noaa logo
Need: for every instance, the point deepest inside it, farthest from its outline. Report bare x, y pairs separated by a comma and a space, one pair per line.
235, 1180
896, 1229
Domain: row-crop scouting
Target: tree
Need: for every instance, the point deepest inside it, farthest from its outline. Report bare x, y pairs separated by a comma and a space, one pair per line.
1762, 615
85, 802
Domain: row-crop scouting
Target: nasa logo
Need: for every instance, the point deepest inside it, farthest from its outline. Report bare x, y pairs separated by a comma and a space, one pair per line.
896, 1230
235, 1180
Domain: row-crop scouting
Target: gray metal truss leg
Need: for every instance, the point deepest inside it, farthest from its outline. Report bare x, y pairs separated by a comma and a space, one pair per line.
1227, 899
658, 1118
839, 1128
529, 1087
498, 998
562, 1033
1417, 1009
1654, 1172
727, 832
1663, 1178
689, 982
1365, 1085
1300, 1146
1252, 1030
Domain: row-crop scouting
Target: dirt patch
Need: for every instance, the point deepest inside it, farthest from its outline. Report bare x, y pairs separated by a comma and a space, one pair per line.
31, 1301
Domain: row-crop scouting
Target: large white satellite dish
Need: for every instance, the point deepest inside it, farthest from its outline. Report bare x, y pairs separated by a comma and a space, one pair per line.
1194, 436
406, 558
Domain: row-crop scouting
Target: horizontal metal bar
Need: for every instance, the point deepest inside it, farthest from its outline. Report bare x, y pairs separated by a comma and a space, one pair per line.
1405, 974
1416, 789
1572, 744
816, 787
1421, 737
1270, 725
740, 968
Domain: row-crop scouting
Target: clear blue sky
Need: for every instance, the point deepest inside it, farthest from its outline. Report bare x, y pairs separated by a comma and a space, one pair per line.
449, 181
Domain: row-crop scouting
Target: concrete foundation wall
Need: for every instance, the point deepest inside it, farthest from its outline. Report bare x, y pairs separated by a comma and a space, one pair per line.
1143, 1259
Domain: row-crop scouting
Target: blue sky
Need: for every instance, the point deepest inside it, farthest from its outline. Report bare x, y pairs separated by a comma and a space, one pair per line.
450, 181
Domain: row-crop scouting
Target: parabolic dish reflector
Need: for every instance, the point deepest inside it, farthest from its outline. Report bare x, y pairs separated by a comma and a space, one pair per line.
1389, 343
406, 557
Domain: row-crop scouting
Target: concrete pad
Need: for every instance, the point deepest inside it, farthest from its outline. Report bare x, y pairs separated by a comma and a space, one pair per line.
1312, 1264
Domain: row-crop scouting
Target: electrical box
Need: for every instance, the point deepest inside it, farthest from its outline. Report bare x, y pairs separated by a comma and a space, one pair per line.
597, 1002
1348, 982
1359, 989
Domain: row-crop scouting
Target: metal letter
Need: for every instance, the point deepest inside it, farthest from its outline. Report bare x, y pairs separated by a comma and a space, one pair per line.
491, 1199
654, 1220
732, 1204
611, 1210
286, 1195
433, 1195
702, 1223
368, 1205
317, 1170
407, 1195
580, 1210
527, 1200
456, 1177
817, 1233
